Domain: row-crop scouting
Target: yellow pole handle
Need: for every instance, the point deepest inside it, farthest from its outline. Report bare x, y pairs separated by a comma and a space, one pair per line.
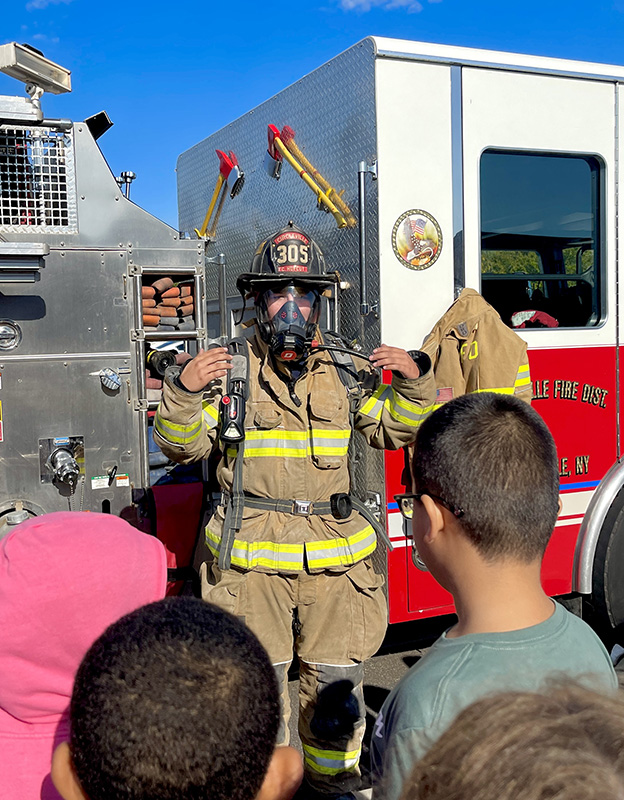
323, 183
320, 194
202, 231
212, 232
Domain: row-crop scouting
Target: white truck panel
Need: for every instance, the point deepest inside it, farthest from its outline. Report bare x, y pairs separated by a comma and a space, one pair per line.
414, 156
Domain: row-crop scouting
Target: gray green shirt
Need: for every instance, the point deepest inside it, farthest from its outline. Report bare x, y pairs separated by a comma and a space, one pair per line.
456, 672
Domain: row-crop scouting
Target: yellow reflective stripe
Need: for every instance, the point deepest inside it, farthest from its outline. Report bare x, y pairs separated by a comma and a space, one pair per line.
502, 390
523, 378
276, 433
274, 452
271, 555
175, 433
328, 544
330, 442
331, 451
399, 408
337, 552
341, 552
331, 762
275, 443
374, 405
295, 444
413, 408
210, 414
404, 411
318, 563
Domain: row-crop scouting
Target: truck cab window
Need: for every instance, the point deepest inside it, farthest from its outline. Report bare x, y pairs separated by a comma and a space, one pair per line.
540, 239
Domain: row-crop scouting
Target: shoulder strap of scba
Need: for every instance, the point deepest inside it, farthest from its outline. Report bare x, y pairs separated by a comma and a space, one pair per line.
237, 386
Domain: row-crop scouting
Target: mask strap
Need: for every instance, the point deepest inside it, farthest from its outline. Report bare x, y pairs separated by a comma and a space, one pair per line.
242, 313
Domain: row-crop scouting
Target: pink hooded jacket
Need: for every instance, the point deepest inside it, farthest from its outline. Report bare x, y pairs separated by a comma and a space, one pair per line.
64, 578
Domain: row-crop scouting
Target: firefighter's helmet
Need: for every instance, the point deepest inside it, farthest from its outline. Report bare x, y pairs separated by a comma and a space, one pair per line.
287, 278
288, 256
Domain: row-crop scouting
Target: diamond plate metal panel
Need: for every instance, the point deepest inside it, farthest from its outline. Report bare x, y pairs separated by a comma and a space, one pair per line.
332, 112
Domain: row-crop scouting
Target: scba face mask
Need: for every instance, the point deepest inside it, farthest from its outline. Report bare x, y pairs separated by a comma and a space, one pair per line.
288, 318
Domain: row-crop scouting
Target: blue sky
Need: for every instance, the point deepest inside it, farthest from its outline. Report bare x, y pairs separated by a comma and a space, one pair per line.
170, 74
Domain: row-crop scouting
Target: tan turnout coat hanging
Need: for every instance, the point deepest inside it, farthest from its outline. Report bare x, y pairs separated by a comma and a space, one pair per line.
472, 350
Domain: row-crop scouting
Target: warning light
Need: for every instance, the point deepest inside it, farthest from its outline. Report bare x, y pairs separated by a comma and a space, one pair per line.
226, 400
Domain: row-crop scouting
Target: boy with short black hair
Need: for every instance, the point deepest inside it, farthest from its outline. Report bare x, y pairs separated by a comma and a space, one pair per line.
176, 700
484, 505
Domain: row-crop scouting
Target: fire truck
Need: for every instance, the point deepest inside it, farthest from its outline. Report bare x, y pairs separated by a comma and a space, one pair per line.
419, 169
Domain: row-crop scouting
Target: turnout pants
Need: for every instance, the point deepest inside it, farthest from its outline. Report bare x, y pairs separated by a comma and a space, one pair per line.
340, 621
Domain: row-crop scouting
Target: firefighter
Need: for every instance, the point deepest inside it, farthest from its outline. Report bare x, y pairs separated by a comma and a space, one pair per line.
292, 548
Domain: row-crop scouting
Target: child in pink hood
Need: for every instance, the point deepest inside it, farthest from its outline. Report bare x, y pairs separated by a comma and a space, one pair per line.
64, 578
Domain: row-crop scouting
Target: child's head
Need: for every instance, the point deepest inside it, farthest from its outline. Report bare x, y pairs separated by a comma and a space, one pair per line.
567, 744
491, 458
176, 700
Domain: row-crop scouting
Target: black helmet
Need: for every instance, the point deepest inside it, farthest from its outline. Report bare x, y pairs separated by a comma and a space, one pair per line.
290, 255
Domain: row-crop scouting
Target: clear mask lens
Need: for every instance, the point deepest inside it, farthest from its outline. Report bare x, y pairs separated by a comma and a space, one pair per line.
303, 298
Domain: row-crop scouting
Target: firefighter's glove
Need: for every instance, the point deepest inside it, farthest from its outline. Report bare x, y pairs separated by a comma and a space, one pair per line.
337, 712
207, 366
396, 359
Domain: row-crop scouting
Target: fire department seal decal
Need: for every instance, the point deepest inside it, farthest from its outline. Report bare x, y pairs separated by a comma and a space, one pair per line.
417, 239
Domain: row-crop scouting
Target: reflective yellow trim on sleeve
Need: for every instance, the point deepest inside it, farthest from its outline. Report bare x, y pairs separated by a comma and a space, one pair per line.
210, 414
374, 405
399, 408
331, 762
405, 411
523, 378
174, 432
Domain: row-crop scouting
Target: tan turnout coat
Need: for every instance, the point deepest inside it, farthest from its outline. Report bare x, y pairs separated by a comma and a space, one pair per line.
296, 453
472, 350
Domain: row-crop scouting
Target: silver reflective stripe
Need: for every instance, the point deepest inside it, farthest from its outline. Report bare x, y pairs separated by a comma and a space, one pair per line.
405, 411
175, 433
210, 415
375, 403
523, 378
275, 446
252, 554
341, 552
331, 762
330, 442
